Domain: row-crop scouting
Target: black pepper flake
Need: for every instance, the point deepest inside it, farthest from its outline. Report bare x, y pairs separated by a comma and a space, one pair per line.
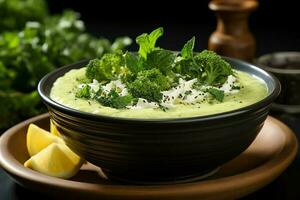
89, 102
241, 102
144, 101
173, 97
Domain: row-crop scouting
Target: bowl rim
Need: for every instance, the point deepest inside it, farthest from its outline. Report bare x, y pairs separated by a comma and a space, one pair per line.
86, 115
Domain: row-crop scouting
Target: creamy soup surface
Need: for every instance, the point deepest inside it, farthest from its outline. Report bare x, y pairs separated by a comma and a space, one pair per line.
64, 89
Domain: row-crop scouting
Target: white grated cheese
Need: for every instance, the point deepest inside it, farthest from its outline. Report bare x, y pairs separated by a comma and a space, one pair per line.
173, 95
124, 92
94, 85
143, 103
114, 85
227, 86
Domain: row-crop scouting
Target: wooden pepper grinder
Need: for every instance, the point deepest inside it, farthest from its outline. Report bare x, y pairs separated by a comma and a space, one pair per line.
232, 37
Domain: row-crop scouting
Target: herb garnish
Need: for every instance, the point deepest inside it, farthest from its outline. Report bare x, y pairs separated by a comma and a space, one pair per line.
157, 76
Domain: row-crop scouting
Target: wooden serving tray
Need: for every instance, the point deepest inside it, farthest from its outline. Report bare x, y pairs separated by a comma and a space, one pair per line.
269, 155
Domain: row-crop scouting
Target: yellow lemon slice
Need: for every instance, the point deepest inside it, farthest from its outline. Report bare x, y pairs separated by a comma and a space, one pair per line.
37, 139
55, 160
53, 129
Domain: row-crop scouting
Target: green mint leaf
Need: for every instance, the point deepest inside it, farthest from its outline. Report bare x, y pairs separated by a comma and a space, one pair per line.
187, 50
161, 59
133, 62
114, 100
154, 35
188, 67
84, 92
147, 42
217, 94
121, 101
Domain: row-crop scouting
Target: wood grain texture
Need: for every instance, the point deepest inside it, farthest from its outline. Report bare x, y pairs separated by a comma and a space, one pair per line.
232, 36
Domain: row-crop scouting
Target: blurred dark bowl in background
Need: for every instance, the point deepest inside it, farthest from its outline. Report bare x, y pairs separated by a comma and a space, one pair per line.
286, 67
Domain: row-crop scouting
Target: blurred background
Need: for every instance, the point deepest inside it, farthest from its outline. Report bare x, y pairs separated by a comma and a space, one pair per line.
273, 24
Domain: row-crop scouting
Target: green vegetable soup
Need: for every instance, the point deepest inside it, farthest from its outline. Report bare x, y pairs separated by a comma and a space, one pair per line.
64, 91
157, 83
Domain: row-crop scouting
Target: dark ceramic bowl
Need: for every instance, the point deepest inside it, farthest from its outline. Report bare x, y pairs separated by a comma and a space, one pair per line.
155, 151
286, 67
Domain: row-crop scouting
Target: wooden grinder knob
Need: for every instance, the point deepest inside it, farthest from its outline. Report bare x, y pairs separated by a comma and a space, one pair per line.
232, 37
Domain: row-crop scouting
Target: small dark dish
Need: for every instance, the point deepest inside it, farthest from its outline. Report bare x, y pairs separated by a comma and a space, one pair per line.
155, 151
286, 67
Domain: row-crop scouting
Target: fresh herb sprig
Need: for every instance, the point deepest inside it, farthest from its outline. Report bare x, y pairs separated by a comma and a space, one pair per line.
114, 100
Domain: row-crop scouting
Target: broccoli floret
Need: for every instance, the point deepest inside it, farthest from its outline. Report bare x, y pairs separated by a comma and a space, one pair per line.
114, 100
84, 92
149, 84
106, 68
216, 70
145, 88
207, 66
155, 76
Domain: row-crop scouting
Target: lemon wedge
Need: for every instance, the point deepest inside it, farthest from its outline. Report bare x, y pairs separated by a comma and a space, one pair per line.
53, 129
37, 139
55, 160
